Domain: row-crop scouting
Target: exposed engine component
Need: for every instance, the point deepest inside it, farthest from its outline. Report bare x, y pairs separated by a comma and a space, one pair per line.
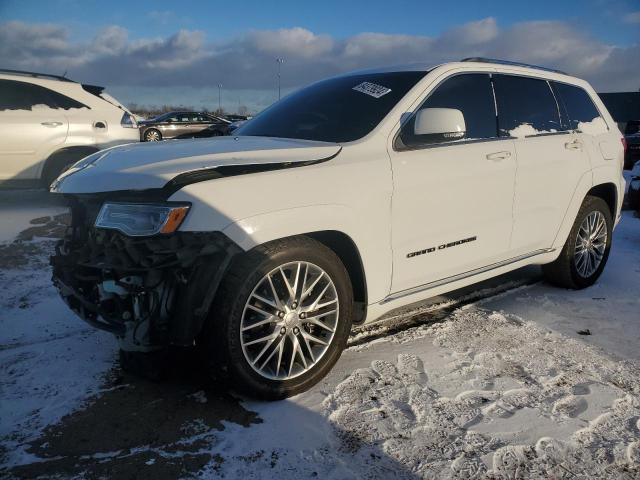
149, 291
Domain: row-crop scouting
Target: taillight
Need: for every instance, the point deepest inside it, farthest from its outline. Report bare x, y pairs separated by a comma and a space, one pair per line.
625, 145
128, 121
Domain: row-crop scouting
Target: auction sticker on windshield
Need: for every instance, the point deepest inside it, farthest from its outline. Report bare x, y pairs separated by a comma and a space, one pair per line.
372, 89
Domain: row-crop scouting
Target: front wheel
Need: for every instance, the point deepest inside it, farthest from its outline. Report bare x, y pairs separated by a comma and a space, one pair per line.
281, 317
586, 250
152, 135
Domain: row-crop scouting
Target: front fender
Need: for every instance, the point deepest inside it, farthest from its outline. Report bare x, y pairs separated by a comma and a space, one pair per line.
374, 249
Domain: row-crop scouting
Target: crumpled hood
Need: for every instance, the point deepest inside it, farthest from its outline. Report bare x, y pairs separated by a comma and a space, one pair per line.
141, 166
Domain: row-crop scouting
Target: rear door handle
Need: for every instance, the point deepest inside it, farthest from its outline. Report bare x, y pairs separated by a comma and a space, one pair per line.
573, 145
51, 124
497, 156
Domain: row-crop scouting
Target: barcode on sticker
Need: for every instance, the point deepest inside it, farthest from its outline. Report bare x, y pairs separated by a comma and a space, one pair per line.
372, 89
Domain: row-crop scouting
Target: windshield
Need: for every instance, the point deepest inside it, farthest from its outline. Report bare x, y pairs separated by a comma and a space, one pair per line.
340, 109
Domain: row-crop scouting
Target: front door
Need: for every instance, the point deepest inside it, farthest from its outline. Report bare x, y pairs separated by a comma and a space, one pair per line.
452, 201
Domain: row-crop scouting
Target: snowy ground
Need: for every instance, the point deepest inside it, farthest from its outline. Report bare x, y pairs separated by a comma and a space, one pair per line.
502, 387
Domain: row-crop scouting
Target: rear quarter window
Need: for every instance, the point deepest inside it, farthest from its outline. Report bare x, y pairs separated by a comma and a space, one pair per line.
579, 110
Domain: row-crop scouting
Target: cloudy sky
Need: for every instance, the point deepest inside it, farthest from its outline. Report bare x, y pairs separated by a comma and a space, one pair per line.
177, 52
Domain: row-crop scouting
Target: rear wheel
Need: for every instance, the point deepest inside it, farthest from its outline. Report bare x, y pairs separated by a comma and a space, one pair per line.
586, 250
281, 317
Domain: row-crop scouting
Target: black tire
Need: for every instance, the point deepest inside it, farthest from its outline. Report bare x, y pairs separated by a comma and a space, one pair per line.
149, 134
563, 271
221, 337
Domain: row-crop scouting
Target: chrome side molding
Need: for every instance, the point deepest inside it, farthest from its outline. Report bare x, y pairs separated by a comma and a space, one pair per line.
460, 276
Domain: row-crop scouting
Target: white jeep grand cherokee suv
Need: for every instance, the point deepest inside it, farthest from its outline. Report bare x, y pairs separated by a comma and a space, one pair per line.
48, 122
352, 197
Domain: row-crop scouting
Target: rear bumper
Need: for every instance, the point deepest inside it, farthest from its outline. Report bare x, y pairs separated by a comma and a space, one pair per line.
155, 290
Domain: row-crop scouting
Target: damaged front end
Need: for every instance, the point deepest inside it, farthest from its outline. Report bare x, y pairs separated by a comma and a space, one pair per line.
150, 291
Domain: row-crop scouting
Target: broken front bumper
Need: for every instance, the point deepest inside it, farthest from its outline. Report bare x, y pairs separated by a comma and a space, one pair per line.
148, 291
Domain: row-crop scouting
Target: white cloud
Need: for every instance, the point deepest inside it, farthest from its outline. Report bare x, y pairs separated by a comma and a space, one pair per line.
296, 42
188, 59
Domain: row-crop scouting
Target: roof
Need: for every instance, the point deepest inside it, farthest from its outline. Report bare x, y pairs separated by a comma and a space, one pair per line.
24, 73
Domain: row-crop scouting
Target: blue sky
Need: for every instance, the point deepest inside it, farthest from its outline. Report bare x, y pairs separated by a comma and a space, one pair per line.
339, 18
177, 51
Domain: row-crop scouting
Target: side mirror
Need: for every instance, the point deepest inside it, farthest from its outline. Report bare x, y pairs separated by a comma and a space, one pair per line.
441, 124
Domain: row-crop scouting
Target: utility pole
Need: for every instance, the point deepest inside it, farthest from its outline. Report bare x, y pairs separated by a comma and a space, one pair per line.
219, 99
280, 62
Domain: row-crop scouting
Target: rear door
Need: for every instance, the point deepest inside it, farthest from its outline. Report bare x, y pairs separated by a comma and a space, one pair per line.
550, 159
33, 124
452, 201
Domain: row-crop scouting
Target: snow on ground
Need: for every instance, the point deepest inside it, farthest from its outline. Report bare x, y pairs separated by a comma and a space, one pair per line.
500, 388
49, 362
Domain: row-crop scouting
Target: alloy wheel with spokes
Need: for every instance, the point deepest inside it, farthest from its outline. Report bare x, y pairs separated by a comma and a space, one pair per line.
152, 136
591, 243
586, 248
289, 320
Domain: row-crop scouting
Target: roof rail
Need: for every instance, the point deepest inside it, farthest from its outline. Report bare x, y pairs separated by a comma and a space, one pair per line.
508, 62
36, 75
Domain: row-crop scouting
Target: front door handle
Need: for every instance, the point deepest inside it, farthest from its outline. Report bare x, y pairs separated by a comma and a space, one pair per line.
573, 145
51, 124
497, 156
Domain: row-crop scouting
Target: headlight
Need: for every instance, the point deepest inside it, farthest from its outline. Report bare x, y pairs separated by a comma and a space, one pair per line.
138, 220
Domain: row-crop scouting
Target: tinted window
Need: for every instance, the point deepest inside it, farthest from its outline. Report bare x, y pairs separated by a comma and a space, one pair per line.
336, 110
16, 95
525, 104
578, 106
469, 93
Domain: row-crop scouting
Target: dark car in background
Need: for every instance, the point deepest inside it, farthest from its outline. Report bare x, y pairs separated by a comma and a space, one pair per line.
632, 137
182, 125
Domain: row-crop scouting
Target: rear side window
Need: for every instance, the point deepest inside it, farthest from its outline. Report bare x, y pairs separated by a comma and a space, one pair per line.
472, 95
15, 95
526, 106
577, 104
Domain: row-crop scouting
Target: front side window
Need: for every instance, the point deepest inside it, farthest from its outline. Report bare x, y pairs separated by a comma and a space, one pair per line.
471, 94
15, 95
578, 106
526, 106
340, 109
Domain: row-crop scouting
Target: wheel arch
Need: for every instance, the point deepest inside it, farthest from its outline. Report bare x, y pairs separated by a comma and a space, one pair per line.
609, 193
76, 152
346, 249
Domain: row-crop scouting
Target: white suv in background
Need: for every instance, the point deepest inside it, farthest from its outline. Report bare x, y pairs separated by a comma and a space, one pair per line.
345, 200
49, 122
